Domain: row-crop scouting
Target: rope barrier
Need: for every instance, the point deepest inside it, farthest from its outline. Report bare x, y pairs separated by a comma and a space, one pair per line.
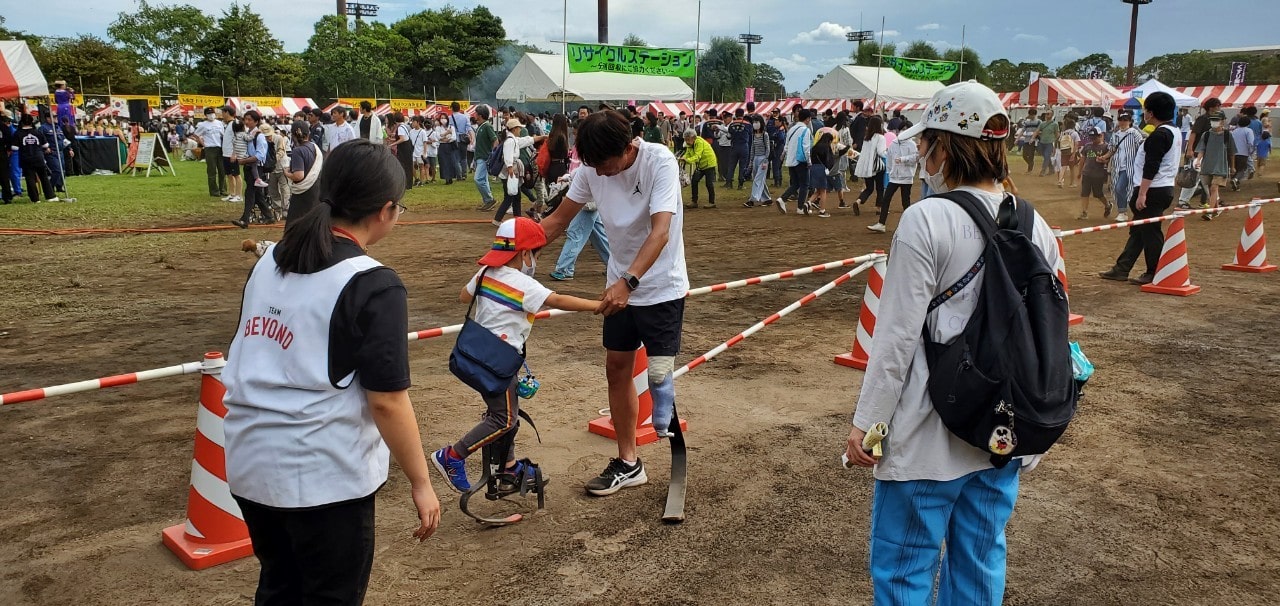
194, 367
1161, 218
87, 231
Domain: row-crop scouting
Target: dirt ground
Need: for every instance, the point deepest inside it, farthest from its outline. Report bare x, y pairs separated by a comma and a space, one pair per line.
1164, 490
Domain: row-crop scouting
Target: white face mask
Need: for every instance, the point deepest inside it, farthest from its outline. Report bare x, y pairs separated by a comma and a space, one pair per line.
531, 268
937, 184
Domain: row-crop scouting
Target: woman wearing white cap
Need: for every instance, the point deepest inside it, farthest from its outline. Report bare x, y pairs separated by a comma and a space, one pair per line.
513, 168
933, 488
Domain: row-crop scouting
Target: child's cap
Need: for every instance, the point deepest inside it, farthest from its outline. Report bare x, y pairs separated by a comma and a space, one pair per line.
514, 235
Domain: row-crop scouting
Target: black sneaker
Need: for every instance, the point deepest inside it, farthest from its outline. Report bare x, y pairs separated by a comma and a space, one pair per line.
1114, 274
1142, 280
616, 476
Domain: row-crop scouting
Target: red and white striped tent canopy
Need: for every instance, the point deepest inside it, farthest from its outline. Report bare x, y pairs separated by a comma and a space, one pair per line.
288, 105
667, 108
784, 105
1058, 91
430, 111
1258, 95
119, 106
176, 110
19, 74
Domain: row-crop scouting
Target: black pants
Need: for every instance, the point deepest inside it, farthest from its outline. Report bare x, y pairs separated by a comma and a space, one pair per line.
872, 185
213, 168
1029, 154
312, 556
404, 153
1145, 239
799, 187
511, 201
740, 158
775, 170
887, 198
722, 161
37, 174
6, 186
255, 196
498, 425
709, 175
301, 204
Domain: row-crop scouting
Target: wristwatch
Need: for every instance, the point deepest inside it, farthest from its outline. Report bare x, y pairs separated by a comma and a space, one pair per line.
631, 281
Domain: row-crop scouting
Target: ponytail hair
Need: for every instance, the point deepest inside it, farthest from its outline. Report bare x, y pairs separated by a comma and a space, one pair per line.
358, 178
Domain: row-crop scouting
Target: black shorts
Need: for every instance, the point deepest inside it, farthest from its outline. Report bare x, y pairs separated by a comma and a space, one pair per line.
657, 327
230, 168
1093, 184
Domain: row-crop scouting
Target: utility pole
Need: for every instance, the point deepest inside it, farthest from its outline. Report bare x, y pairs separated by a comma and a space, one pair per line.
1133, 38
602, 21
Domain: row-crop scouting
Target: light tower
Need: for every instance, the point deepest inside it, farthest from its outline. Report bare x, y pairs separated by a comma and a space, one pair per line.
1133, 38
860, 36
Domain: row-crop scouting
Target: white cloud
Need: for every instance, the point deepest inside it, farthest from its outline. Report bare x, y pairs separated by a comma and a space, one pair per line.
798, 58
826, 33
692, 44
1030, 38
1069, 53
929, 26
889, 33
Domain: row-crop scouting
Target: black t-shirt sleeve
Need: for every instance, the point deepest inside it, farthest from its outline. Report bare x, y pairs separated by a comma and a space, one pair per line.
1156, 146
367, 332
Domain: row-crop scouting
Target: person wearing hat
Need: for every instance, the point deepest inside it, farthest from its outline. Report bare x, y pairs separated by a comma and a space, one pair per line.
317, 381
1093, 172
505, 296
513, 167
932, 488
702, 162
1125, 142
306, 162
1154, 168
65, 99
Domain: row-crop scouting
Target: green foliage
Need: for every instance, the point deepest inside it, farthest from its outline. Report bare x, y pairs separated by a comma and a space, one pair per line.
1082, 67
767, 81
1199, 68
723, 71
865, 53
241, 52
449, 47
973, 69
353, 61
166, 40
920, 49
1005, 76
90, 60
634, 40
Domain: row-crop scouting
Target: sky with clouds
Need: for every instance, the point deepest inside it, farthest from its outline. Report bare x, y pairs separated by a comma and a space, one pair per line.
800, 43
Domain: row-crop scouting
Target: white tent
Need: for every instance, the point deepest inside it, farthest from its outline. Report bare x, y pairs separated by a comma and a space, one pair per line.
1134, 97
537, 78
19, 74
859, 82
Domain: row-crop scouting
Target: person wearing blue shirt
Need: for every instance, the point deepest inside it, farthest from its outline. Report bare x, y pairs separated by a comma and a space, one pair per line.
59, 144
256, 155
795, 156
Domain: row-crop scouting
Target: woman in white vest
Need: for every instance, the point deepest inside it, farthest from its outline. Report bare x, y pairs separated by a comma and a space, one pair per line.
317, 389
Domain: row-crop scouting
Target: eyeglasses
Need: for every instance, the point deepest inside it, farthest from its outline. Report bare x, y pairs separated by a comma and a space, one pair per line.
400, 208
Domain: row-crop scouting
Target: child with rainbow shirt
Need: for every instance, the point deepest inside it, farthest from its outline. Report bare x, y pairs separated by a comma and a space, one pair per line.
508, 299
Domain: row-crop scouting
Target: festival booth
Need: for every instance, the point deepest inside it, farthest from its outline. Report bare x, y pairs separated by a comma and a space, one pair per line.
883, 84
19, 74
1133, 97
1059, 91
538, 77
662, 108
1258, 95
278, 106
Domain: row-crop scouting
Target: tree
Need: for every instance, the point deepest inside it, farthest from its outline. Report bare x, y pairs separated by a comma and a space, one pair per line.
241, 52
1005, 76
166, 40
767, 80
723, 71
634, 40
920, 49
450, 47
866, 53
1199, 68
13, 34
1084, 66
353, 61
92, 61
484, 87
973, 69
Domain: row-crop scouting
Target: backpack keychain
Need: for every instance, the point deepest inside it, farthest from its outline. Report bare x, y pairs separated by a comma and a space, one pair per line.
527, 386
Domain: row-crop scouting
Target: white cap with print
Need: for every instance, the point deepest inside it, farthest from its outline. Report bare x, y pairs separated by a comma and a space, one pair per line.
964, 109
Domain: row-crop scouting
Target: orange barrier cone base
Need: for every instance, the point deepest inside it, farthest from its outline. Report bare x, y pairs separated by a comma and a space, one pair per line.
1250, 269
1074, 319
1181, 291
644, 435
851, 361
198, 556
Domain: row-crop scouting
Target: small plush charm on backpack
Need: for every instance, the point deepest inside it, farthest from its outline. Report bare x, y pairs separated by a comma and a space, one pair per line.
527, 386
1002, 441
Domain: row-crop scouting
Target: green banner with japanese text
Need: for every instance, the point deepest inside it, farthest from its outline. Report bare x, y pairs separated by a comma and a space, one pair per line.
922, 69
679, 62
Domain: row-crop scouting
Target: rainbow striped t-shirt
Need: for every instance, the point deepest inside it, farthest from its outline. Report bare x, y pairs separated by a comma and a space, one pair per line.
507, 303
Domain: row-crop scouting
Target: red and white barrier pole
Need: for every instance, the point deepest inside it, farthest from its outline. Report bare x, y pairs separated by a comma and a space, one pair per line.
1162, 218
1061, 269
29, 395
1251, 253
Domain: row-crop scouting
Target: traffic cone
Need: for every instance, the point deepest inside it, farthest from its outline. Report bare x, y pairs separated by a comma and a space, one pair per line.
645, 433
1061, 268
1251, 253
1173, 276
857, 358
214, 532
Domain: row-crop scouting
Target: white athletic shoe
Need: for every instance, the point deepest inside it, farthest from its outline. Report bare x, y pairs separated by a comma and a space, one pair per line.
226, 198
878, 228
53, 199
782, 206
1121, 218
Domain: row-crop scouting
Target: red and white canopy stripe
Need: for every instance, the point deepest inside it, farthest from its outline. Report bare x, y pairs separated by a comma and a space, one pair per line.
902, 107
288, 105
667, 108
1258, 95
1058, 91
176, 110
19, 74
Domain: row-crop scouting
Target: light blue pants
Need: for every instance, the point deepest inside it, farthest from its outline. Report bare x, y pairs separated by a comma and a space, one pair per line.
1121, 188
910, 522
759, 192
482, 181
586, 226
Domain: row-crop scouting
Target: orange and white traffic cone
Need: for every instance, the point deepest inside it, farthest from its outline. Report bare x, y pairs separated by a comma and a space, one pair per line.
214, 532
1173, 276
858, 357
645, 433
1251, 253
1061, 269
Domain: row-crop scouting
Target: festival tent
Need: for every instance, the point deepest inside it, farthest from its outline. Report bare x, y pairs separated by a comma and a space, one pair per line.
663, 108
537, 77
1133, 97
19, 74
1058, 91
1258, 95
288, 105
861, 82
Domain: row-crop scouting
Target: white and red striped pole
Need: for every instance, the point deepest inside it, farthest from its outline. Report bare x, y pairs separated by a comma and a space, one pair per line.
1251, 253
1170, 217
1061, 268
113, 381
860, 352
1173, 274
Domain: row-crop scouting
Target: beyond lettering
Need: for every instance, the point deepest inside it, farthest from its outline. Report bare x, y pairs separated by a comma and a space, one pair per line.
270, 328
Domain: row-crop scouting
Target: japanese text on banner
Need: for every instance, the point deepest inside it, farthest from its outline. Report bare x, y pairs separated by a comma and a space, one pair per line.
677, 62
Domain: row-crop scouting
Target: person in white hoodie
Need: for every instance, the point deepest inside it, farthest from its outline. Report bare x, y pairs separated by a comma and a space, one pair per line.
513, 171
870, 167
903, 156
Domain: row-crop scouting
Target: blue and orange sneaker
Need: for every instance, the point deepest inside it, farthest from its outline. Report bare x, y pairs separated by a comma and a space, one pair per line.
453, 469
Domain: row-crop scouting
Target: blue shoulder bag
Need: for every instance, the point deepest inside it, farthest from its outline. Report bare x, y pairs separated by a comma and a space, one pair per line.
480, 358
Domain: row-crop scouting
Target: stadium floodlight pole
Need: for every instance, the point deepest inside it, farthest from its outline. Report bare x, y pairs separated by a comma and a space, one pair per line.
564, 69
697, 46
1133, 38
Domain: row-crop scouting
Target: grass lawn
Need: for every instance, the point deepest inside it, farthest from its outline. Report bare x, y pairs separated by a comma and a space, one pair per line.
182, 200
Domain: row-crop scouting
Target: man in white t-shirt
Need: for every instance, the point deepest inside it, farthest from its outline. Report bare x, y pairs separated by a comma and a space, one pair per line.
636, 189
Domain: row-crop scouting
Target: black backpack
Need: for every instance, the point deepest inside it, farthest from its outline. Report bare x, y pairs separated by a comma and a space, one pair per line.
270, 163
494, 162
1006, 384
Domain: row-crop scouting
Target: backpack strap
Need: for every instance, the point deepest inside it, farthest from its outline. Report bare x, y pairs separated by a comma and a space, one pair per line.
1014, 213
